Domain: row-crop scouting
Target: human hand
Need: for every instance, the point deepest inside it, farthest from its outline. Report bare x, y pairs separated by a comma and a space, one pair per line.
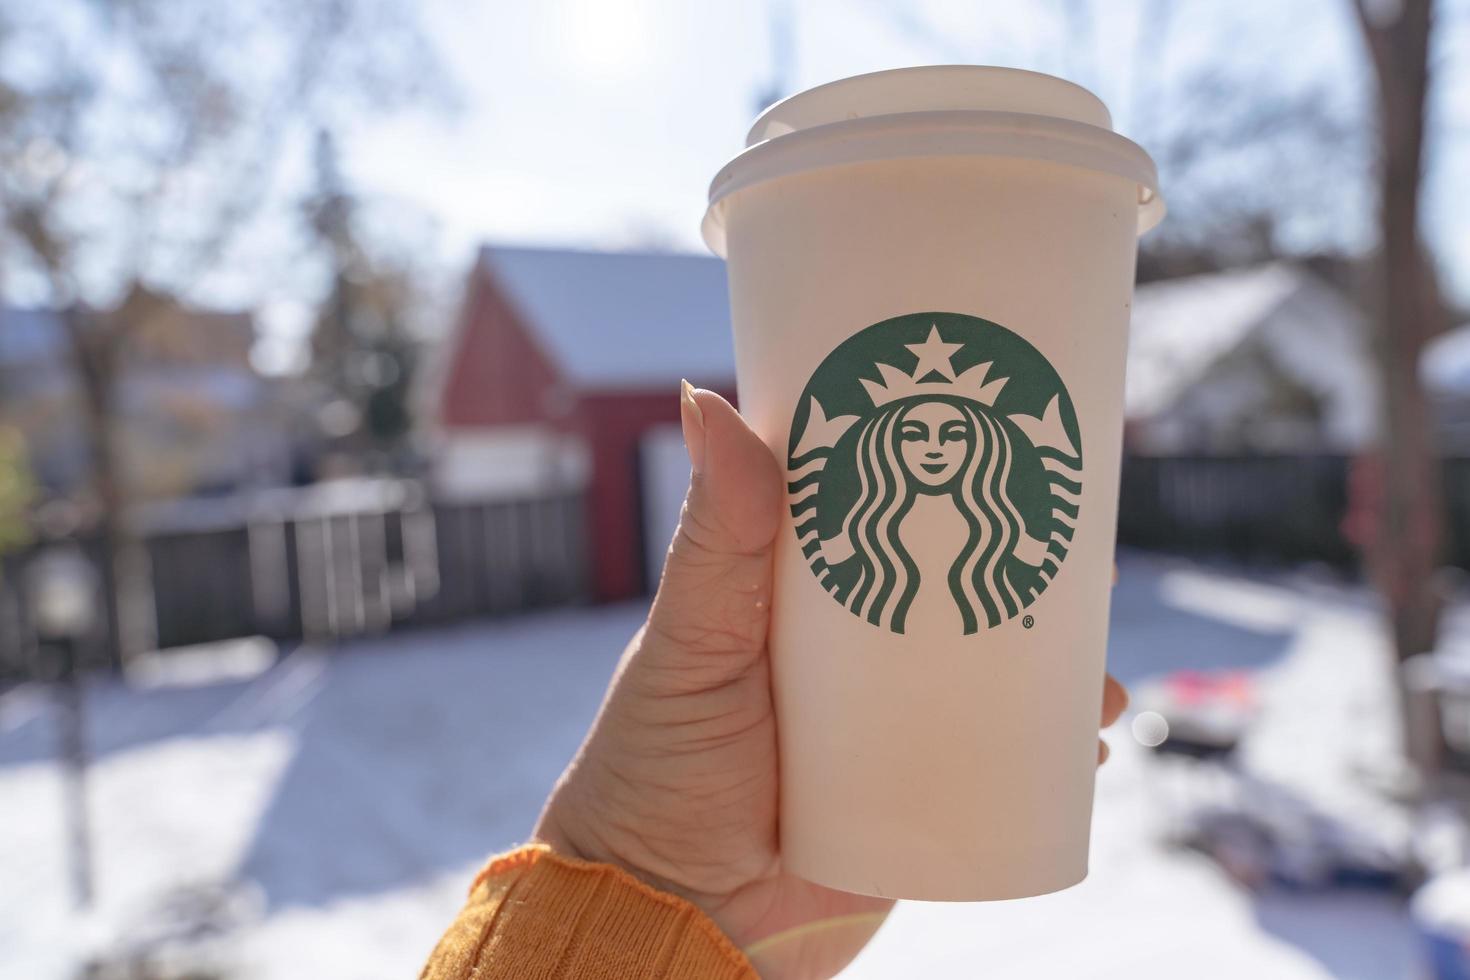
677, 779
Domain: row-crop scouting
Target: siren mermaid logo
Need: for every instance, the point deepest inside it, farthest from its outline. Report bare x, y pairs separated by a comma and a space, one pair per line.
934, 472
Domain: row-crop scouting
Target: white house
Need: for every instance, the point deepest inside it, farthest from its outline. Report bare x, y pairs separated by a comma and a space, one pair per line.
1267, 359
1445, 368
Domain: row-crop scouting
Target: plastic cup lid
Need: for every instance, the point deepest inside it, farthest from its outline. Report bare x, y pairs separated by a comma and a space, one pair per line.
940, 110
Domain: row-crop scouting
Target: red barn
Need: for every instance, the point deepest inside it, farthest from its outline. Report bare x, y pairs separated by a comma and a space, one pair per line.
563, 374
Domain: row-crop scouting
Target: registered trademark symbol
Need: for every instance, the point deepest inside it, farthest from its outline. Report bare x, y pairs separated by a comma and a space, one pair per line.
1028, 621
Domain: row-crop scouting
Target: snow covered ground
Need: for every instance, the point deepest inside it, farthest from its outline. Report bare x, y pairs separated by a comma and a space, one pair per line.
331, 809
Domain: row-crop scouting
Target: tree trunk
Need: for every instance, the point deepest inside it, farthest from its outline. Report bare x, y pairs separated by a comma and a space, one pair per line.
1407, 313
95, 367
113, 539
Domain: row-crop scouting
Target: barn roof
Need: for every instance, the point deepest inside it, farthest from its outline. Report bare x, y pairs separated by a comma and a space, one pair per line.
621, 319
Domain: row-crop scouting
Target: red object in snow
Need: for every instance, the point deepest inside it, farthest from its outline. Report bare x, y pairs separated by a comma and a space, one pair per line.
1197, 687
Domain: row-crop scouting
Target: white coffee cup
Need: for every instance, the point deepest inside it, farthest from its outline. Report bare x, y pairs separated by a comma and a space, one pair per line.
930, 275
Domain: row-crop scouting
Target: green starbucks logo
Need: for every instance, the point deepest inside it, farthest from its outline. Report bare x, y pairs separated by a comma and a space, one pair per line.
935, 470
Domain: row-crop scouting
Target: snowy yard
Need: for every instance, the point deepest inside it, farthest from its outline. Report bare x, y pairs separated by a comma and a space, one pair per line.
333, 808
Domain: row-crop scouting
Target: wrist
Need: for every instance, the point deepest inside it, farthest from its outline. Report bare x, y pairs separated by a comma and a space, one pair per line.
569, 825
549, 832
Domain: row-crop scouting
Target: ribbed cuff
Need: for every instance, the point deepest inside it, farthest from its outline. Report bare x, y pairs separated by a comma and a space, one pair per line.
537, 915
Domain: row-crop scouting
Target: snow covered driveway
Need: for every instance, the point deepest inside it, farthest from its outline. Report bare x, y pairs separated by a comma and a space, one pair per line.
334, 807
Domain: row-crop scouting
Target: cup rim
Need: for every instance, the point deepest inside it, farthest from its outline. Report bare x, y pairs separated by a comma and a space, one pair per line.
937, 133
922, 88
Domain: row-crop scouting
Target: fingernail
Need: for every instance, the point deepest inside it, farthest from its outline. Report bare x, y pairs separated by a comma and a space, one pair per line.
693, 422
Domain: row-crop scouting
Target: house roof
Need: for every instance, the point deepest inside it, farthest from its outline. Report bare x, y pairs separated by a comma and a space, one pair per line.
1445, 363
621, 319
178, 335
1181, 327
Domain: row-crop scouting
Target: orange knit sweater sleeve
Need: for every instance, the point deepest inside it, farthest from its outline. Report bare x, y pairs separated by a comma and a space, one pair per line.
535, 915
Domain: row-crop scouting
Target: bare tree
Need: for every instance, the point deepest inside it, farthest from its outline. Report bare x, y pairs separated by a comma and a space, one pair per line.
1408, 311
1229, 138
1251, 170
363, 351
139, 140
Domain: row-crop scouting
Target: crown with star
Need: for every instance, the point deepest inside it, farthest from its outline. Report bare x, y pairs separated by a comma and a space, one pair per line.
935, 357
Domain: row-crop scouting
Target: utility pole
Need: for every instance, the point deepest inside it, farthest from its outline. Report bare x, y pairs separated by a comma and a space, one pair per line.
781, 24
62, 592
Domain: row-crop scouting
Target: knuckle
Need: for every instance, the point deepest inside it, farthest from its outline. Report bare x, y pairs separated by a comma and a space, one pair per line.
712, 632
710, 601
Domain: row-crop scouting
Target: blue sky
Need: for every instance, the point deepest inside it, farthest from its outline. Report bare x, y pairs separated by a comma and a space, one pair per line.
600, 122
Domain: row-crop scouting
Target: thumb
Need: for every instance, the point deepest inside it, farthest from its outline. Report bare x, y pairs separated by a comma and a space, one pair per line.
714, 598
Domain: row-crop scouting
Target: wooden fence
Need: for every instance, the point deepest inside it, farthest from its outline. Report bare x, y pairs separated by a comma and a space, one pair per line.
1250, 508
1262, 508
323, 572
331, 569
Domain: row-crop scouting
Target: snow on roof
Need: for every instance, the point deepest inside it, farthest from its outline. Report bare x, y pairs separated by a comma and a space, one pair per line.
1445, 363
1182, 326
622, 318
